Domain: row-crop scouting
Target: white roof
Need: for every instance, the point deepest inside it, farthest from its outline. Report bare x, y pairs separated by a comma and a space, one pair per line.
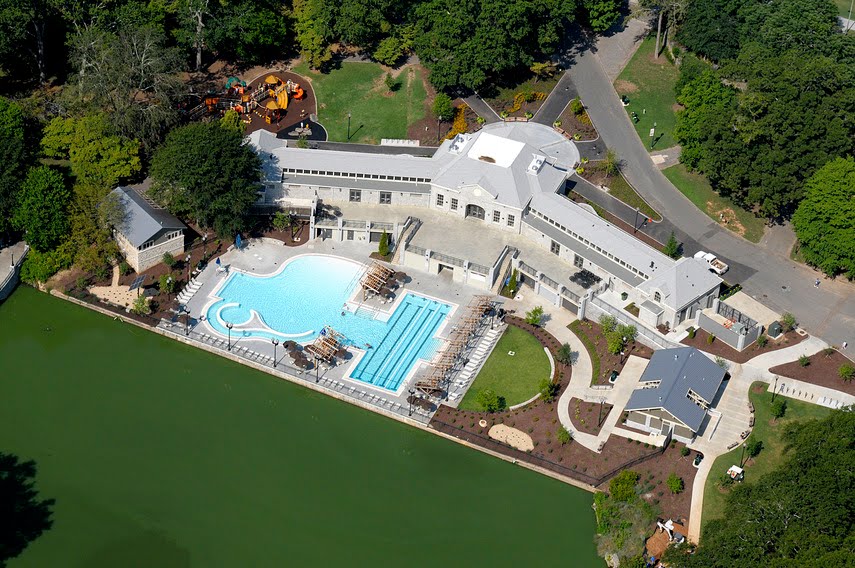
492, 149
682, 283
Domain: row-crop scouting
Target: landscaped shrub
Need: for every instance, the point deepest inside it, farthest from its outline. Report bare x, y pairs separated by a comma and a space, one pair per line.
564, 436
548, 390
804, 360
692, 332
762, 340
710, 338
124, 268
788, 321
674, 483
753, 447
459, 124
383, 247
489, 401
608, 323
576, 106
846, 372
169, 260
534, 315
622, 487
141, 306
684, 451
779, 407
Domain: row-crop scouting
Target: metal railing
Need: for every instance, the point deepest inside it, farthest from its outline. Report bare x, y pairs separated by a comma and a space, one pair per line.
549, 281
415, 249
529, 270
382, 226
571, 295
644, 333
446, 258
731, 313
353, 224
479, 268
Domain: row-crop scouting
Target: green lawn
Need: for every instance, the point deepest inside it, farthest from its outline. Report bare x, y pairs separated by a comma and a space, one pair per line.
620, 189
769, 458
698, 190
843, 7
649, 85
359, 89
515, 377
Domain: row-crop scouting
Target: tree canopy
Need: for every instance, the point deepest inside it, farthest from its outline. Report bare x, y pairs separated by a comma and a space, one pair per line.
209, 173
42, 209
13, 155
800, 514
825, 219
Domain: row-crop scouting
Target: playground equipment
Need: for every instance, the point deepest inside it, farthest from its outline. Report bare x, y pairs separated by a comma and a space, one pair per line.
248, 101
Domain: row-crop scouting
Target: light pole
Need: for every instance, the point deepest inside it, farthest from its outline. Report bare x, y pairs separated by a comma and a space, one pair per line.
348, 127
275, 342
186, 311
187, 260
775, 390
230, 325
635, 225
317, 370
652, 135
410, 400
600, 417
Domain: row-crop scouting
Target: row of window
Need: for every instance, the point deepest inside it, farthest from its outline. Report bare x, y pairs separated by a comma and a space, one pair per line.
385, 196
149, 244
585, 241
555, 248
352, 175
454, 204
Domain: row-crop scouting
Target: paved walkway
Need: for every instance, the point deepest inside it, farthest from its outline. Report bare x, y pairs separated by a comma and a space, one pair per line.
666, 158
482, 109
8, 256
561, 95
616, 49
847, 24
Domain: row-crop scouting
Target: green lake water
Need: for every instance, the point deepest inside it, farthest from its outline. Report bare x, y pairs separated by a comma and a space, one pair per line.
162, 455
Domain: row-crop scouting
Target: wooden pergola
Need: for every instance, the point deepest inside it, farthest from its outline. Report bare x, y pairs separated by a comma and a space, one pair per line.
375, 278
327, 344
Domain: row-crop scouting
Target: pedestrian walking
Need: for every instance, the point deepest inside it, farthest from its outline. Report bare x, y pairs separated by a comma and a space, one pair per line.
816, 283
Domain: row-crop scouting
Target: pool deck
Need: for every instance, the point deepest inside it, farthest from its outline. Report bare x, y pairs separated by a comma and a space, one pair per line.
266, 256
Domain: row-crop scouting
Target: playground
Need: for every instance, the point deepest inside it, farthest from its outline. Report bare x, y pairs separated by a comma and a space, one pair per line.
279, 102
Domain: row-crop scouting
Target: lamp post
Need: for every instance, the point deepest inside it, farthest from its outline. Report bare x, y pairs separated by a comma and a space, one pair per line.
410, 400
186, 311
317, 370
600, 417
775, 390
348, 127
230, 325
187, 260
275, 342
635, 225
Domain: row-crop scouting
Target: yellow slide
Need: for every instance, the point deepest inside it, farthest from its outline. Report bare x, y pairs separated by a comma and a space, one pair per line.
282, 99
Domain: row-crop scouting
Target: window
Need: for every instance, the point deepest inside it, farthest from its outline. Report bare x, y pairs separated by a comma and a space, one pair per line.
454, 204
385, 198
355, 195
497, 216
510, 220
440, 199
657, 297
555, 248
578, 261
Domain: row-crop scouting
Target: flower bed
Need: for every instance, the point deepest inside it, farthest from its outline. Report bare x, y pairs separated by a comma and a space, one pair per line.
722, 349
588, 417
823, 370
603, 362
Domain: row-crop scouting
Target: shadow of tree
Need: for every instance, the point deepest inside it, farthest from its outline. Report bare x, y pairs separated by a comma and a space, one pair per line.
23, 517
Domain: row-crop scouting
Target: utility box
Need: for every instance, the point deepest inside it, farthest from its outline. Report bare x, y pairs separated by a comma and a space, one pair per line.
775, 330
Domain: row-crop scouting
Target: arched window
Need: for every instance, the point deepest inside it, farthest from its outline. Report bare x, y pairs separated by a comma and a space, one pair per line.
657, 297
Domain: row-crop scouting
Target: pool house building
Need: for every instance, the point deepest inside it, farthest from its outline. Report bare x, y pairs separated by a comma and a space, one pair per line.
481, 205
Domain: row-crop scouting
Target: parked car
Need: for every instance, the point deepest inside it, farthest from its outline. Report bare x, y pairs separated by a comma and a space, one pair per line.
699, 457
715, 265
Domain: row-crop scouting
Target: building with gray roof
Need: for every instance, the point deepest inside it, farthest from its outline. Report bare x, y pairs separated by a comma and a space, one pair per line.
509, 178
145, 231
674, 393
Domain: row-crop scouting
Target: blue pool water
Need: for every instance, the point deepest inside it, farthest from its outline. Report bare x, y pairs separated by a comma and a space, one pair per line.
308, 293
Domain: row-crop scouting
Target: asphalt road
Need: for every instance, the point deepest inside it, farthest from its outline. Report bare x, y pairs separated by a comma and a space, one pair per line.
827, 311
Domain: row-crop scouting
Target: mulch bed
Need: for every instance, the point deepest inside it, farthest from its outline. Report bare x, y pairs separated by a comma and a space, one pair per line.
572, 124
298, 110
584, 415
540, 420
821, 371
425, 130
608, 362
722, 349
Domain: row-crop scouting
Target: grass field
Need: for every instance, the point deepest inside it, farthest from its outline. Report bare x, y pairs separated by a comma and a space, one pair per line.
843, 7
773, 446
359, 89
514, 377
162, 455
649, 83
698, 190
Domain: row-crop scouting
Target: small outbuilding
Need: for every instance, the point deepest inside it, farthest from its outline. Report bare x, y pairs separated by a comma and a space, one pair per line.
145, 231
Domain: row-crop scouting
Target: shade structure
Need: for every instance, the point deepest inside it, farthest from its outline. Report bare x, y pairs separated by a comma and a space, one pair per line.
341, 353
385, 292
400, 276
271, 80
295, 353
271, 105
289, 344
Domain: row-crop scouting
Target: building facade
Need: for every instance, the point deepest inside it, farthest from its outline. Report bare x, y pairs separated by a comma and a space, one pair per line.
146, 232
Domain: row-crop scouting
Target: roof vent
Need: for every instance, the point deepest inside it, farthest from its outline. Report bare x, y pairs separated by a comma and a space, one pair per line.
487, 159
651, 264
660, 399
536, 164
458, 143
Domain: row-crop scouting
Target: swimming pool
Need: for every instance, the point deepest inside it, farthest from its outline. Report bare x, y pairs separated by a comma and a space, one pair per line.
308, 293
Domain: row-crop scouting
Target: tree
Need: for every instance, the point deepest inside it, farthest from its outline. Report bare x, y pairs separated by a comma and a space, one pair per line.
442, 108
141, 306
779, 408
711, 29
489, 401
13, 157
788, 321
313, 28
543, 70
602, 14
671, 11
383, 248
167, 283
564, 436
800, 512
389, 51
169, 260
207, 172
231, 120
622, 486
548, 390
674, 483
282, 221
611, 164
672, 247
534, 315
390, 82
42, 210
753, 447
251, 31
99, 157
565, 354
825, 219
24, 517
24, 33
846, 372
193, 16
608, 323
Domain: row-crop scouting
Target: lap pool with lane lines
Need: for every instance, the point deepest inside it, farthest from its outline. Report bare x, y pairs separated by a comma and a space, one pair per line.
308, 293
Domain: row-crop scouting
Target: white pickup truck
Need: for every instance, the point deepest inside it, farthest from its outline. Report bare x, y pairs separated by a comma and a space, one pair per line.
714, 263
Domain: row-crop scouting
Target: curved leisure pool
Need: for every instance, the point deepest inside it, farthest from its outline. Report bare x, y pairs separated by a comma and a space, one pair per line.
308, 293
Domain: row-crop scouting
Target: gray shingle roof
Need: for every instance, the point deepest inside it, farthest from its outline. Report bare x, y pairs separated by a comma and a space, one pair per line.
678, 370
682, 283
142, 221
